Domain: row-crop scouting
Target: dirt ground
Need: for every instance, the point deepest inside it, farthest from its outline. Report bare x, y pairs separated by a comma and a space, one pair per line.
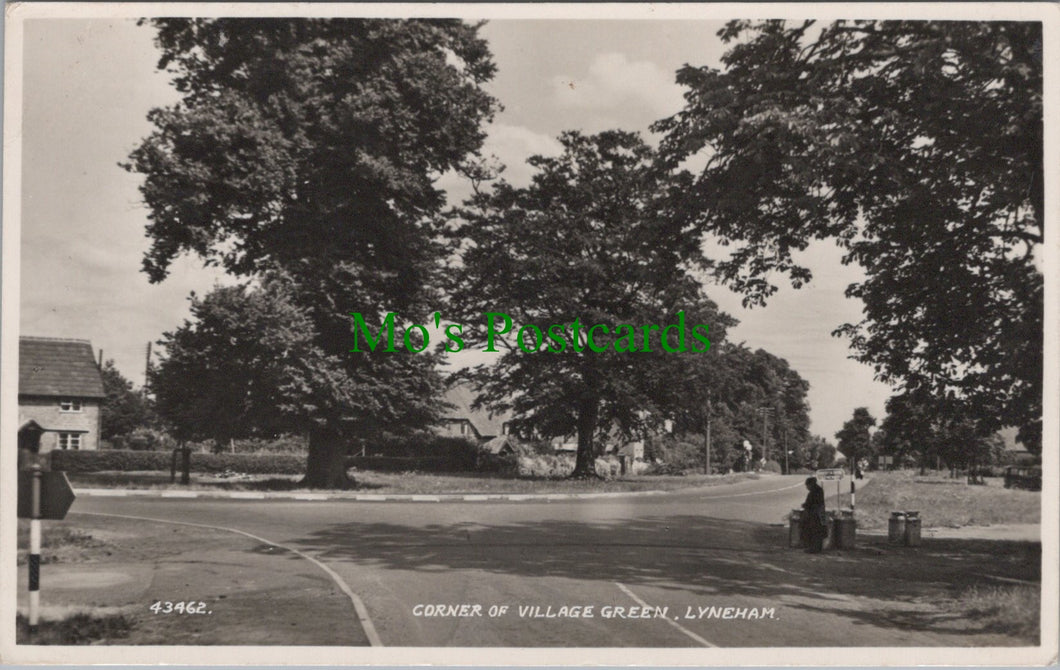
243, 592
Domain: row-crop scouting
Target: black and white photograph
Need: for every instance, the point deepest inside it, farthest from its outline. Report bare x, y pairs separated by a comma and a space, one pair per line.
530, 334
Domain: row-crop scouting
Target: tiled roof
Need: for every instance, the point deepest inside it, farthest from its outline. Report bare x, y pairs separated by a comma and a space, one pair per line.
461, 397
50, 366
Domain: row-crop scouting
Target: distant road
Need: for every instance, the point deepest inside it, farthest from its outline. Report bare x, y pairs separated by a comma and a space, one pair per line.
694, 553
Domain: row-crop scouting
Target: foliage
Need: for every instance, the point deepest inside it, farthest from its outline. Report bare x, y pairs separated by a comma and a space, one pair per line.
854, 439
246, 364
123, 410
917, 147
733, 385
595, 237
146, 439
133, 461
310, 148
819, 454
927, 428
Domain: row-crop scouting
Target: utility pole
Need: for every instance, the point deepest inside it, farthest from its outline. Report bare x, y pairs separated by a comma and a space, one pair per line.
785, 450
147, 368
706, 463
766, 411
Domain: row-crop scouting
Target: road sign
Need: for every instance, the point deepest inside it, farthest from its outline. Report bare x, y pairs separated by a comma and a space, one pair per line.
830, 475
56, 496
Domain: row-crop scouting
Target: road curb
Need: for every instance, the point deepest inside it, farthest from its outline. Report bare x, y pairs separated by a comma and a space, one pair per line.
361, 497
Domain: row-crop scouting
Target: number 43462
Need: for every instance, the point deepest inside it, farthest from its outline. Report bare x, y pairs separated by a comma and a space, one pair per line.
183, 607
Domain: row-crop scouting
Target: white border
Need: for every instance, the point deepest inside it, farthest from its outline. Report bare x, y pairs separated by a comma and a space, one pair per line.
1048, 13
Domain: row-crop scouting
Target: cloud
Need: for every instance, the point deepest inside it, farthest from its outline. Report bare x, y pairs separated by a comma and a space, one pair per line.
614, 82
512, 145
507, 145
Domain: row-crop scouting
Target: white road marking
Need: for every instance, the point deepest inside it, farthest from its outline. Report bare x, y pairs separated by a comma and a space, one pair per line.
358, 605
673, 623
755, 493
426, 499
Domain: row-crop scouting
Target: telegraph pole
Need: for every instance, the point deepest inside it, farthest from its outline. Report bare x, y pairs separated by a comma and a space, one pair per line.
766, 411
706, 455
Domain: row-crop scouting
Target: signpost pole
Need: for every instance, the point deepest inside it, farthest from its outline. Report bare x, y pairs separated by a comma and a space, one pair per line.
34, 551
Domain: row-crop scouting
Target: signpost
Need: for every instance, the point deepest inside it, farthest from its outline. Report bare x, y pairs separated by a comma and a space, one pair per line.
41, 495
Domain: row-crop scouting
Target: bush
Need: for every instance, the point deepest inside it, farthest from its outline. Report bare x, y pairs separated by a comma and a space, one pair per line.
544, 465
145, 439
130, 461
772, 466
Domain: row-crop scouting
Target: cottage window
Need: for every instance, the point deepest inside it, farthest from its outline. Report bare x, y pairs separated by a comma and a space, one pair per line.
69, 441
69, 405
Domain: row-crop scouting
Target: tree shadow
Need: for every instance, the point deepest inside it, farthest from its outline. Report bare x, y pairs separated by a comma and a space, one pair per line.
702, 557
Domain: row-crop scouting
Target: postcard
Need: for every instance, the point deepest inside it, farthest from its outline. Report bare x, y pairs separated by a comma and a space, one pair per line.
530, 334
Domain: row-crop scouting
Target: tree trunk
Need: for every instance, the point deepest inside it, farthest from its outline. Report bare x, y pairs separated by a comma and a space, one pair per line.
326, 464
585, 462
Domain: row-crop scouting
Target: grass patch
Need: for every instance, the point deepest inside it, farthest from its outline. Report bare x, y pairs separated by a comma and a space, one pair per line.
77, 629
424, 483
412, 482
1012, 610
59, 543
944, 502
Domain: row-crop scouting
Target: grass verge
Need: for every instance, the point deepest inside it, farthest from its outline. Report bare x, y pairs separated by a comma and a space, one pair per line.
59, 543
413, 482
76, 629
944, 502
1011, 610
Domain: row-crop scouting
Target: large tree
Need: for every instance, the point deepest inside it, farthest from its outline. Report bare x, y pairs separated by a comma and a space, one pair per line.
933, 429
854, 439
917, 146
730, 386
312, 147
594, 240
124, 409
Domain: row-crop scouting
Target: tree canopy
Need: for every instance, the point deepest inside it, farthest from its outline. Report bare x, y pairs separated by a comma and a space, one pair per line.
854, 439
123, 409
311, 148
917, 147
594, 238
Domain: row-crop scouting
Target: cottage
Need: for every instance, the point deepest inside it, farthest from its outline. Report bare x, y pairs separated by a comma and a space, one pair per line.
59, 393
461, 420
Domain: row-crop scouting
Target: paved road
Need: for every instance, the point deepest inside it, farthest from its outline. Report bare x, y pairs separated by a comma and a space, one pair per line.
680, 559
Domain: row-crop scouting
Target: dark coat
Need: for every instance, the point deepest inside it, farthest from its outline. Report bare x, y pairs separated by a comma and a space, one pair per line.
813, 525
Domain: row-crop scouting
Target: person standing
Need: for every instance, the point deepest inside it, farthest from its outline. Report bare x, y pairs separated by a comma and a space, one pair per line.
814, 526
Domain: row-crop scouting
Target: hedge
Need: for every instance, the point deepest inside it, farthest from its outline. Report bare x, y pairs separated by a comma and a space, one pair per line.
127, 461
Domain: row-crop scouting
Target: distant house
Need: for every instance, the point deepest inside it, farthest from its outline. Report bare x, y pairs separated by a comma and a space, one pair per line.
1014, 451
59, 393
461, 420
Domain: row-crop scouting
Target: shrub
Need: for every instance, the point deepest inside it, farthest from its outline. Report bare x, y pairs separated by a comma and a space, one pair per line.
145, 439
544, 465
772, 466
129, 461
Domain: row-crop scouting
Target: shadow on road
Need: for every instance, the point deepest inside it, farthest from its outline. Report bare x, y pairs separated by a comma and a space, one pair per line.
898, 587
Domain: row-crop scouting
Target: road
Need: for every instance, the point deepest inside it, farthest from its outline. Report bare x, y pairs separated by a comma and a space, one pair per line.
654, 571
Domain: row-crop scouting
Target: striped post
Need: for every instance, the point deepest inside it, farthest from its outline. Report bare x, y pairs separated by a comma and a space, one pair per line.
34, 551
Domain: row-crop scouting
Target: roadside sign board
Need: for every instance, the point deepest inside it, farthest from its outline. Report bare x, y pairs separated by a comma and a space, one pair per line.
56, 496
829, 475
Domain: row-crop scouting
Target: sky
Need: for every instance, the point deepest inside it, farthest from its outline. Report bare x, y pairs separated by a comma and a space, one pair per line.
88, 85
